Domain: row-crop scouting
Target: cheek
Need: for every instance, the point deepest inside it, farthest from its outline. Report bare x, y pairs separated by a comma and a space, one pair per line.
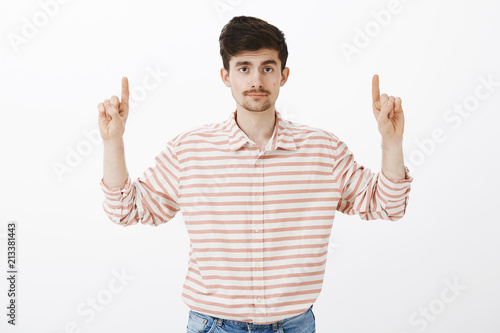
237, 88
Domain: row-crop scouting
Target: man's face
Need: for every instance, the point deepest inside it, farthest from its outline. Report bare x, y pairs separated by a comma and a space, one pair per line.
255, 79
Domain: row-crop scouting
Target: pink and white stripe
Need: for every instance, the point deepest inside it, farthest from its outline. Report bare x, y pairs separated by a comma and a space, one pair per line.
259, 222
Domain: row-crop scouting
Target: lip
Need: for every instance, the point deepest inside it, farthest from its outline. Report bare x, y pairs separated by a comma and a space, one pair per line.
256, 95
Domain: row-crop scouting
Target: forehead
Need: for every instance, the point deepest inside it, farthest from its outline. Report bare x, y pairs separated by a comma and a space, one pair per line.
256, 56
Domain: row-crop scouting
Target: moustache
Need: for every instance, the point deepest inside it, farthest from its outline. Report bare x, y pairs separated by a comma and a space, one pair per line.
256, 92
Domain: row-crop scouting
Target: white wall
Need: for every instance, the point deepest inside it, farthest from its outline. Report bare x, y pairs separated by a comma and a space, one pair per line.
381, 277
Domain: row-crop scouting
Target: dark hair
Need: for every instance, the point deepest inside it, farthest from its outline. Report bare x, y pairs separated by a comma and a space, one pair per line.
246, 33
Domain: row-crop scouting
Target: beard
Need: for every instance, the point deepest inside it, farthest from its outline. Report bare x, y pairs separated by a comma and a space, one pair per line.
257, 106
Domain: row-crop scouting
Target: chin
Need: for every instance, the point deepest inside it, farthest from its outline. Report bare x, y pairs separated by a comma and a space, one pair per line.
256, 110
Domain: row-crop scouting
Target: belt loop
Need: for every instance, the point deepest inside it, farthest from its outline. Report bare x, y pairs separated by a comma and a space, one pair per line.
219, 321
275, 328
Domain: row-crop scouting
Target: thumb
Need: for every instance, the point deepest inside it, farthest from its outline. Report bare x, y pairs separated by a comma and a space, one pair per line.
102, 112
111, 109
387, 108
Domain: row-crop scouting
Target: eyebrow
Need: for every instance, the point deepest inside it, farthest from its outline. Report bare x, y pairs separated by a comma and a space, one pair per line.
266, 62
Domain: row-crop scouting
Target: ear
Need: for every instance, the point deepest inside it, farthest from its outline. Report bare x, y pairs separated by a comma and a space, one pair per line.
224, 74
284, 76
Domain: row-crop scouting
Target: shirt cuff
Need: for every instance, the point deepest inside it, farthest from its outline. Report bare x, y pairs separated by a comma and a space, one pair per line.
394, 190
114, 193
408, 178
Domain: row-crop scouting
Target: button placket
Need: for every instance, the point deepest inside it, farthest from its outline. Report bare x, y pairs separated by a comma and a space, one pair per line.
257, 235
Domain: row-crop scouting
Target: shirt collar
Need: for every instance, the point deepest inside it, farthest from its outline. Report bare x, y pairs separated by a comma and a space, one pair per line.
282, 135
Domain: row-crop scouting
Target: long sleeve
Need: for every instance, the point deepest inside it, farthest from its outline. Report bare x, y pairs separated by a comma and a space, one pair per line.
151, 199
370, 195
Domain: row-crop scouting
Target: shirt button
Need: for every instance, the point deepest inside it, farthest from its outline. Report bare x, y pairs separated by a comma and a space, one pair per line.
257, 163
257, 229
257, 266
257, 197
258, 299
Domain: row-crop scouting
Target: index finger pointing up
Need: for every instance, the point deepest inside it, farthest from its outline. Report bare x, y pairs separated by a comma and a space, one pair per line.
125, 92
375, 89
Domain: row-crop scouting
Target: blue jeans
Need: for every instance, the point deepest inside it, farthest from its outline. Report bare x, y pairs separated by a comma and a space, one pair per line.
202, 323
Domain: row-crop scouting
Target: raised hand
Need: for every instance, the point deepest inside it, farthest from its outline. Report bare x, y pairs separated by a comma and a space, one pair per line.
388, 112
113, 114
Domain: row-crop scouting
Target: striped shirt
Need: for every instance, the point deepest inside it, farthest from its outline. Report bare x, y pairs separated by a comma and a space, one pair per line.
259, 222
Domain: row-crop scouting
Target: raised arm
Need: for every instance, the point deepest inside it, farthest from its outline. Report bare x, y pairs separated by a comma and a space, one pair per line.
112, 118
390, 118
382, 195
151, 199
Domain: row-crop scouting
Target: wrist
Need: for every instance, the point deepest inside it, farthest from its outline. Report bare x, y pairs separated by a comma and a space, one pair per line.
117, 142
396, 140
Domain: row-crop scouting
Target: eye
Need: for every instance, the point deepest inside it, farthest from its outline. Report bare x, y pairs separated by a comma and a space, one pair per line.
243, 69
268, 69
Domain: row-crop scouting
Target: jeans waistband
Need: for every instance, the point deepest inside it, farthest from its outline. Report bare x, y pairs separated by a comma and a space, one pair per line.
244, 324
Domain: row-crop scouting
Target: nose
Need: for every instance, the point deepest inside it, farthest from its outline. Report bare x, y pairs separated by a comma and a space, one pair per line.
256, 80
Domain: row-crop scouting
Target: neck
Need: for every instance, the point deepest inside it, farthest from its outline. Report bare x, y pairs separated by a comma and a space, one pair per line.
258, 126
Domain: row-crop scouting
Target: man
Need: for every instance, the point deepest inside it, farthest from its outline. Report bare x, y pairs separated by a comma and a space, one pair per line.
257, 192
